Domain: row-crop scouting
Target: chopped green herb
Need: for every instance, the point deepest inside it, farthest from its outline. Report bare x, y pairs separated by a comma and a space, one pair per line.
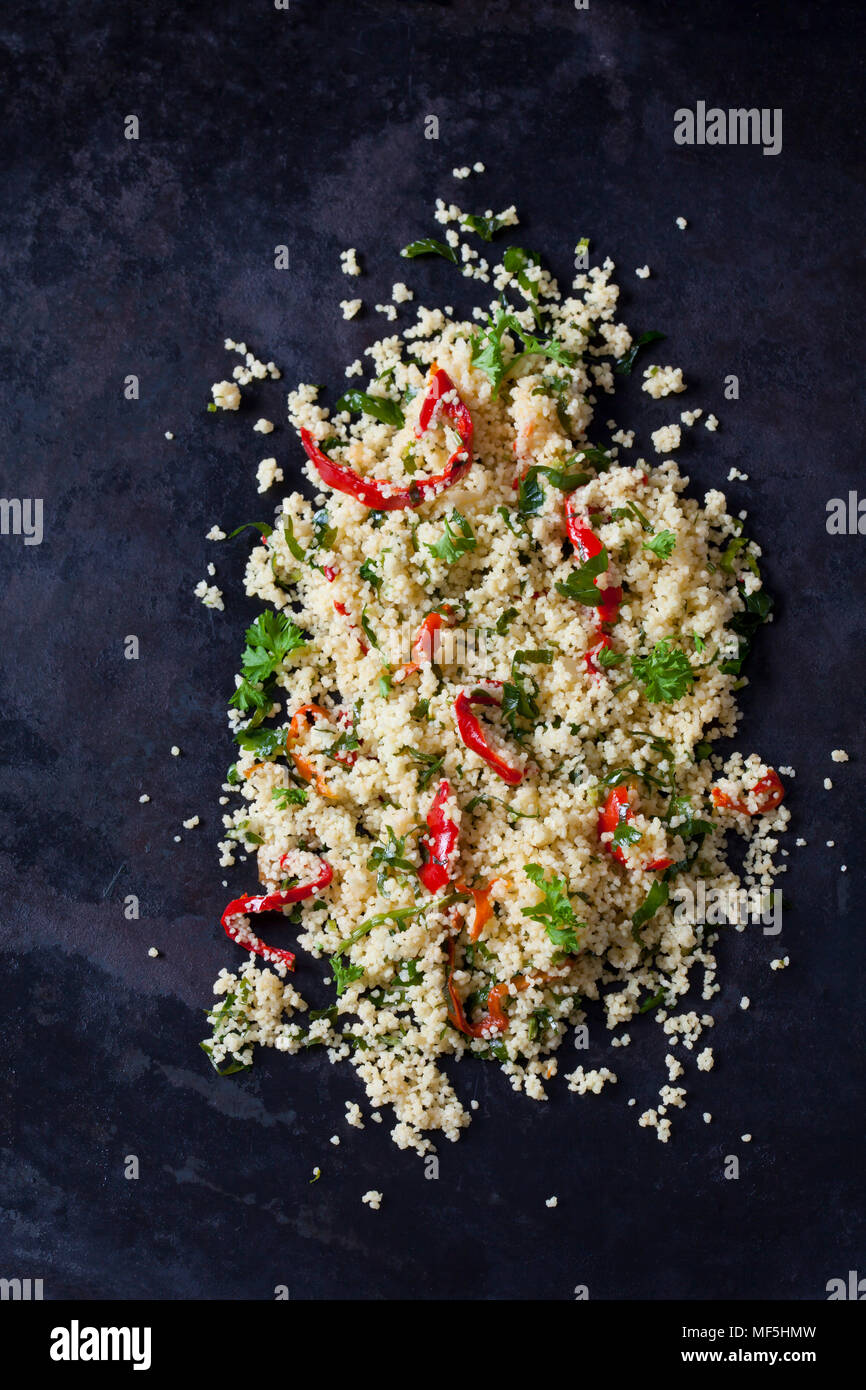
655, 898
380, 407
367, 572
429, 246
580, 584
625, 364
662, 545
289, 796
458, 540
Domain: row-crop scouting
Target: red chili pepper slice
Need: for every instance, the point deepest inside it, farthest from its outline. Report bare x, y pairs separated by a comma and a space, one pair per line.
381, 495
250, 905
424, 641
440, 844
617, 808
483, 904
471, 733
587, 545
769, 793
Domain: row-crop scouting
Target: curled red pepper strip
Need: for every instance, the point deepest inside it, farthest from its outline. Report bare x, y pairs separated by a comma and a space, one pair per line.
381, 495
424, 642
769, 793
470, 732
440, 844
250, 905
587, 545
483, 904
495, 1020
314, 712
616, 810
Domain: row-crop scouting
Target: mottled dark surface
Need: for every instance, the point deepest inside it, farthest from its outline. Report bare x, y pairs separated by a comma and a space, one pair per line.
305, 127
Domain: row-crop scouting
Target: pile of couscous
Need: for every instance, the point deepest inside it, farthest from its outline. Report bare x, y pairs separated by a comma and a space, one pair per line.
475, 720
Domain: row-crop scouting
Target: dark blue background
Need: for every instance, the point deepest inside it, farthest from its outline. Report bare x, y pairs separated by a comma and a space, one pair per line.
305, 127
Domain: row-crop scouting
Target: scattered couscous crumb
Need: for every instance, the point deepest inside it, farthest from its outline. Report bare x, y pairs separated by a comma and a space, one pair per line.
175, 751
473, 1105
226, 395
400, 293
800, 841
706, 1060
209, 594
350, 307
689, 417
746, 1138
839, 755
263, 426
372, 1199
268, 473
169, 435
349, 262
215, 534
711, 423
144, 797
335, 1139
707, 1117
643, 272
191, 823
780, 963
663, 381
831, 844
745, 1001
828, 784
682, 223
843, 868
675, 1066
552, 1202
354, 1116
153, 952
666, 439
735, 475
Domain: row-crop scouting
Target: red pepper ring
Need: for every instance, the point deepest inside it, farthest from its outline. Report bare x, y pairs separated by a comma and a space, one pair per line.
381, 495
440, 844
471, 733
251, 904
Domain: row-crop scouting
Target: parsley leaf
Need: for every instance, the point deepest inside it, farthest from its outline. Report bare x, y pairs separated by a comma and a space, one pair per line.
607, 657
625, 834
344, 975
486, 227
454, 545
655, 898
367, 571
429, 246
554, 912
665, 673
580, 584
756, 610
289, 796
504, 621
428, 765
625, 364
380, 407
662, 545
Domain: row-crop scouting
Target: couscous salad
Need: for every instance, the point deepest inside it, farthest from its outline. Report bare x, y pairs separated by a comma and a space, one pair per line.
476, 717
